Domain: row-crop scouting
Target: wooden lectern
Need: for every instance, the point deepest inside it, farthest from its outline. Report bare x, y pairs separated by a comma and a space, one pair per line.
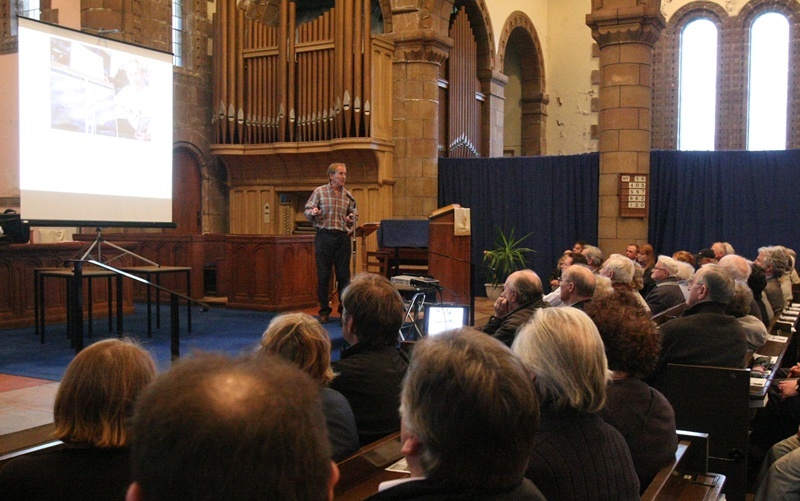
449, 256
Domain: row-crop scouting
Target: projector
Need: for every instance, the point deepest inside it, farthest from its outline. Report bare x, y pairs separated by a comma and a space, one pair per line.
413, 281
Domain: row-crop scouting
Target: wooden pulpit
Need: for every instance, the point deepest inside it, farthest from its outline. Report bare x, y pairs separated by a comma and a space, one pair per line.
449, 255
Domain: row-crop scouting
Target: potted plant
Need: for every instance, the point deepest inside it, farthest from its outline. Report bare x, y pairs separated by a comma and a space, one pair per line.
506, 257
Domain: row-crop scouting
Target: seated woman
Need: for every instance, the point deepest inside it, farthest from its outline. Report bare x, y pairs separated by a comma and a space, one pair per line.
642, 414
300, 338
576, 455
91, 412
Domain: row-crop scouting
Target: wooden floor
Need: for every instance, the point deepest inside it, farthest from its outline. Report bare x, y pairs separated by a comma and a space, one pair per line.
26, 404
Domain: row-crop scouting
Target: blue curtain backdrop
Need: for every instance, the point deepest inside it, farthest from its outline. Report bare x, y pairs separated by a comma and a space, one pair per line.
554, 198
746, 198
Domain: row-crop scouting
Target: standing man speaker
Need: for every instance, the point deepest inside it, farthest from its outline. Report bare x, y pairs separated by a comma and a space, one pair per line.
332, 210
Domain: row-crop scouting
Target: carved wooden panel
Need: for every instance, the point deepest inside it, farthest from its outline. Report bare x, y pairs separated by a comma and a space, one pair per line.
271, 273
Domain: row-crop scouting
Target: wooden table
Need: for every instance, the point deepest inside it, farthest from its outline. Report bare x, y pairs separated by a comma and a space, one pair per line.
150, 272
39, 276
779, 339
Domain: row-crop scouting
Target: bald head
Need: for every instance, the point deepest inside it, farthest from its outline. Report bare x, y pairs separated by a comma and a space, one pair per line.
737, 266
261, 414
577, 284
526, 284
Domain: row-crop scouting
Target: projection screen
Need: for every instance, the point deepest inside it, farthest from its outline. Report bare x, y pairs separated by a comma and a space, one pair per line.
95, 130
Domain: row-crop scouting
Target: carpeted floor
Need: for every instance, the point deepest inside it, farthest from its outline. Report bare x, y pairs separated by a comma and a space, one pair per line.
219, 329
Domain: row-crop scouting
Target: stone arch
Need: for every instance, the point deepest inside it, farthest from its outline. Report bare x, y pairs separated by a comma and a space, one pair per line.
482, 28
519, 35
666, 63
745, 19
187, 188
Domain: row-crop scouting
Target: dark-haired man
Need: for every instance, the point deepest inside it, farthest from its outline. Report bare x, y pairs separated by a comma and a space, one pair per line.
469, 413
218, 428
371, 370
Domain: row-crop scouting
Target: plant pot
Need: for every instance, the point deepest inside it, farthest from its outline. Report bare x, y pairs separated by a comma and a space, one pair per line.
493, 291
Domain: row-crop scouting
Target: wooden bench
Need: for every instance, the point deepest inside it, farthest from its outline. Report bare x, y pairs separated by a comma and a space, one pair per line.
669, 314
29, 450
362, 473
687, 477
715, 400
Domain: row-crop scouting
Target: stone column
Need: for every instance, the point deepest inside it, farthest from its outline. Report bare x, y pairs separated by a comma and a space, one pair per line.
417, 57
493, 85
625, 31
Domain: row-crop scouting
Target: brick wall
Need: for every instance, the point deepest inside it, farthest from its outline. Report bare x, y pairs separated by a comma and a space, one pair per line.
732, 72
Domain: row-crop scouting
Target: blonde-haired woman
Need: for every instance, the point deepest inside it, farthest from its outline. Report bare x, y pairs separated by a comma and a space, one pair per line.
301, 339
91, 413
576, 455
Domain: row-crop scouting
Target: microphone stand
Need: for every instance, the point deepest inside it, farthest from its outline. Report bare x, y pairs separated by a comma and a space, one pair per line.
353, 243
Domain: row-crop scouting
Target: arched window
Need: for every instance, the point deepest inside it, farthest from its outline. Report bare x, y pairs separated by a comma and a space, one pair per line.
698, 86
177, 32
769, 77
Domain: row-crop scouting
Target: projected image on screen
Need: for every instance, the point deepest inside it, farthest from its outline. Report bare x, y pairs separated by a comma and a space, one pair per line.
85, 96
82, 99
95, 129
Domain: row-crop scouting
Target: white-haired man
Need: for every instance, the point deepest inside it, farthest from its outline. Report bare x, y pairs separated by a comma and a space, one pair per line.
620, 270
594, 257
740, 270
705, 334
667, 292
775, 263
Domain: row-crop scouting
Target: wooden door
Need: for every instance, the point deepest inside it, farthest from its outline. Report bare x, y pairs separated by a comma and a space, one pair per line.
186, 193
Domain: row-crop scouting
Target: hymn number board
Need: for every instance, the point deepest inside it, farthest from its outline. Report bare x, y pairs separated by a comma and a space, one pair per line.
633, 198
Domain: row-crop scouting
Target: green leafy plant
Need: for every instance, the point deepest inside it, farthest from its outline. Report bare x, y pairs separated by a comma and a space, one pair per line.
506, 257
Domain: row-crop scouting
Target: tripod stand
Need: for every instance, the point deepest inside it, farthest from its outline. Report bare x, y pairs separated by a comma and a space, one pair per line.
98, 244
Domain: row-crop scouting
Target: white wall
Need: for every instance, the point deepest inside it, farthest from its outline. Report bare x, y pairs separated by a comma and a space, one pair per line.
566, 44
9, 126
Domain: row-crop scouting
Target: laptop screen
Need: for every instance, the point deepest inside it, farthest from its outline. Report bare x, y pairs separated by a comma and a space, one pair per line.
444, 317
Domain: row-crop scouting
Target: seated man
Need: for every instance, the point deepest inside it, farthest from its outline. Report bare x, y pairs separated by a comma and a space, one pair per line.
740, 271
469, 413
775, 263
621, 271
568, 259
667, 292
780, 474
371, 370
705, 334
577, 287
594, 257
521, 296
219, 428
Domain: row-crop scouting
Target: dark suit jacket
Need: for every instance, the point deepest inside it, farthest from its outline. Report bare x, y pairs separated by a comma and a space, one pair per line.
505, 328
370, 379
704, 335
665, 295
